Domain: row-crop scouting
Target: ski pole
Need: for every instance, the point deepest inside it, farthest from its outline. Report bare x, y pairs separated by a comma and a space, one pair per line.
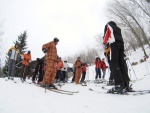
132, 69
129, 70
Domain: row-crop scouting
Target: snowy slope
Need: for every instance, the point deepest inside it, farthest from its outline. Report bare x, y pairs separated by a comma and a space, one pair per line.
27, 98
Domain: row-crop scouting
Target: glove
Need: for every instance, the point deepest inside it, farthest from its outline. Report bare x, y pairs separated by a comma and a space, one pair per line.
64, 68
24, 58
44, 50
105, 46
79, 66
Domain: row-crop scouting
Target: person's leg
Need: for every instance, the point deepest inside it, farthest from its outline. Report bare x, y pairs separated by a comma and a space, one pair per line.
96, 70
99, 72
73, 78
25, 73
123, 65
104, 73
66, 78
52, 76
83, 76
40, 76
76, 76
47, 73
34, 75
114, 62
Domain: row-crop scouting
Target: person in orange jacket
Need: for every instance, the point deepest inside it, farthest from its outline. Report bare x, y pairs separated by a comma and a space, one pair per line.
25, 64
60, 65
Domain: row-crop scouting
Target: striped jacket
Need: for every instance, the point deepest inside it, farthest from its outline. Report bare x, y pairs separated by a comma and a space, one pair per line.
13, 53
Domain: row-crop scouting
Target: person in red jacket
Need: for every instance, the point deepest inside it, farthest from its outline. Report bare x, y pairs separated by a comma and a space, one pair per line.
103, 66
84, 65
98, 68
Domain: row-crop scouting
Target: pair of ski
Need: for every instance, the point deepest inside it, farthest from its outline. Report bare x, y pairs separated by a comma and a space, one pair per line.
58, 90
134, 92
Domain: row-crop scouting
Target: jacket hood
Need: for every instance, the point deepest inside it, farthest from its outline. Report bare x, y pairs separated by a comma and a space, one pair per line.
112, 23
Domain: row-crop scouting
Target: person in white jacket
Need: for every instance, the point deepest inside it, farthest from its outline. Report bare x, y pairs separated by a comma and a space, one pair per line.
13, 54
65, 72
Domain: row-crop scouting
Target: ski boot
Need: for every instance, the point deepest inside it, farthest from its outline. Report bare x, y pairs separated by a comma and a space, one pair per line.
128, 88
52, 86
118, 89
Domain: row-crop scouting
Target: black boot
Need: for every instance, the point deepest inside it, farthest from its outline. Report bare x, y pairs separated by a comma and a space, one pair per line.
128, 87
118, 89
52, 86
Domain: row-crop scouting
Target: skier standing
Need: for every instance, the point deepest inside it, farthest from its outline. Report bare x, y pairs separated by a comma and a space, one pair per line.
78, 69
97, 68
38, 69
103, 66
65, 72
13, 54
51, 59
60, 66
113, 37
84, 66
25, 63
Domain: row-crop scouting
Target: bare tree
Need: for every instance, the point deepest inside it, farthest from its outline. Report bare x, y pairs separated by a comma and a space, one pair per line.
130, 40
127, 16
87, 56
99, 40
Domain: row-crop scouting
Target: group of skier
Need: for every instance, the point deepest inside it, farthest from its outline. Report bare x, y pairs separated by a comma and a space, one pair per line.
51, 68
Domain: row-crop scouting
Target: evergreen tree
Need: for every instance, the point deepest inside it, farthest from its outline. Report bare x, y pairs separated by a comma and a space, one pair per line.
22, 40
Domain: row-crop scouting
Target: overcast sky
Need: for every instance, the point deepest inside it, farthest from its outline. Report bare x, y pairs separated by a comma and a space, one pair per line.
74, 22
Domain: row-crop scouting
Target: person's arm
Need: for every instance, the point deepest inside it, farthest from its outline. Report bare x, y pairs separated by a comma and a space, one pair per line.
106, 36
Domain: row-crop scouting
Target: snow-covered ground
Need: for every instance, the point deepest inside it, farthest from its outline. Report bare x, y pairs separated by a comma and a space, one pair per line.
27, 98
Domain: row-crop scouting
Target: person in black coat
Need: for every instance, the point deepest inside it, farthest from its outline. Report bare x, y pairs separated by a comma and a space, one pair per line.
39, 69
113, 38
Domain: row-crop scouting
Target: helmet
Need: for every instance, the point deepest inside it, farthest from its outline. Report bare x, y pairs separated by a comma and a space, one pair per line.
56, 39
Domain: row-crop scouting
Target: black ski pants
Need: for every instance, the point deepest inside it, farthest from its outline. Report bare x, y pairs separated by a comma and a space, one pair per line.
73, 78
83, 76
117, 64
98, 73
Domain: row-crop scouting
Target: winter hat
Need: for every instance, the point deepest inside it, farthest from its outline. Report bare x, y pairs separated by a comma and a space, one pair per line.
29, 52
56, 39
